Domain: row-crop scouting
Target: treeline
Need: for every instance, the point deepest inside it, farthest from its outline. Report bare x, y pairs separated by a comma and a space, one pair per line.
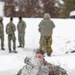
37, 8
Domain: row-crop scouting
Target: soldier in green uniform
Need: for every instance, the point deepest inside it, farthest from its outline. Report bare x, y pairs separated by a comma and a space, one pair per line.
10, 30
46, 29
39, 66
21, 32
2, 33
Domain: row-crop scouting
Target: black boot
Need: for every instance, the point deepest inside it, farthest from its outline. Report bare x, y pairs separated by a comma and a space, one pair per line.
2, 48
15, 50
10, 51
49, 54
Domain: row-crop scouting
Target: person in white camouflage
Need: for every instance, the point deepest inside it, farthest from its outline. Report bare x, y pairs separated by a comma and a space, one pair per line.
46, 27
21, 32
2, 33
10, 30
39, 66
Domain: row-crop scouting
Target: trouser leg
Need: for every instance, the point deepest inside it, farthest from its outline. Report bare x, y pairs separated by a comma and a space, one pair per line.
22, 41
49, 43
43, 44
9, 42
2, 43
19, 39
14, 43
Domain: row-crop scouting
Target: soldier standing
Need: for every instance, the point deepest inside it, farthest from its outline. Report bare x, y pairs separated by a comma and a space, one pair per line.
21, 32
10, 30
46, 29
2, 33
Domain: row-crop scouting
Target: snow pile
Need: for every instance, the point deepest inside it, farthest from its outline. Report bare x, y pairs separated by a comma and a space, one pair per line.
32, 67
63, 41
72, 13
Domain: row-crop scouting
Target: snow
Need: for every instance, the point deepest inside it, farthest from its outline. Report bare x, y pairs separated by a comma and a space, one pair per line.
63, 41
1, 8
61, 1
72, 13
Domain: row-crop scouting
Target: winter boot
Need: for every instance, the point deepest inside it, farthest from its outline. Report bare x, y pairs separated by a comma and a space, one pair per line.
49, 54
15, 52
22, 46
10, 51
2, 48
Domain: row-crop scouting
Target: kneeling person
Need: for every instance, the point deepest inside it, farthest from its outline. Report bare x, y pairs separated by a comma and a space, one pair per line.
38, 66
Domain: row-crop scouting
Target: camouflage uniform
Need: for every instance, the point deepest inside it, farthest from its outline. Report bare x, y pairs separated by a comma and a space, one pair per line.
46, 29
10, 30
1, 33
21, 33
44, 68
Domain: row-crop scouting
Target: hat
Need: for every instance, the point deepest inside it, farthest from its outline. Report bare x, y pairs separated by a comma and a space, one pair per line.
47, 16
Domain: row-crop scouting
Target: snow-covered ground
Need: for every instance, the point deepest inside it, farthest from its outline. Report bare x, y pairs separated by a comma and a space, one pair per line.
63, 41
72, 13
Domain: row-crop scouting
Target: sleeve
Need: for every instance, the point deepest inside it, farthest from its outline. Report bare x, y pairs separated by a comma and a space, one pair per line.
60, 70
24, 25
40, 25
53, 25
7, 29
20, 71
27, 60
14, 28
52, 70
